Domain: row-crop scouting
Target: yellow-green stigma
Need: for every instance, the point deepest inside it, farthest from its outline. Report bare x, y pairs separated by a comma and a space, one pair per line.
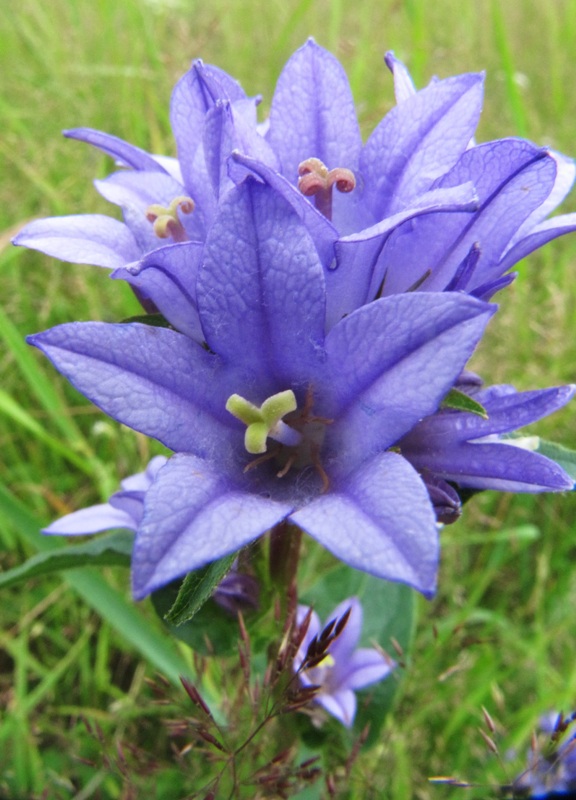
316, 180
265, 421
166, 221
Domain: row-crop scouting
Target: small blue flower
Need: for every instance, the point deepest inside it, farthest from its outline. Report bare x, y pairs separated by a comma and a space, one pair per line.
345, 667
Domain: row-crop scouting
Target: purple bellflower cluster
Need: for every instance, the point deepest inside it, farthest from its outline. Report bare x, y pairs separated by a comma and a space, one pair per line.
344, 667
322, 298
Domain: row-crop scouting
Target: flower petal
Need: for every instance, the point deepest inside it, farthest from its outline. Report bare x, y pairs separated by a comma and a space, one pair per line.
152, 379
355, 280
512, 178
261, 289
320, 229
312, 113
128, 154
168, 277
403, 84
94, 519
380, 520
81, 239
391, 363
192, 517
418, 141
366, 666
341, 705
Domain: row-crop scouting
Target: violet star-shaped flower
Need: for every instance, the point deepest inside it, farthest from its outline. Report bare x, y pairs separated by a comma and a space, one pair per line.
346, 667
260, 337
422, 146
164, 201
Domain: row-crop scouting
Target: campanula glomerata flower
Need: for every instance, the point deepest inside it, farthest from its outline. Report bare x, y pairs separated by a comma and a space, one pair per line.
344, 667
418, 206
272, 419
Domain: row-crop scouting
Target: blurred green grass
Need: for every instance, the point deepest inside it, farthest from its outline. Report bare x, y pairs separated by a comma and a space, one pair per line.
501, 632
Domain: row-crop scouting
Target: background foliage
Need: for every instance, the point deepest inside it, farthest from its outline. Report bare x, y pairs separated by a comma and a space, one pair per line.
500, 633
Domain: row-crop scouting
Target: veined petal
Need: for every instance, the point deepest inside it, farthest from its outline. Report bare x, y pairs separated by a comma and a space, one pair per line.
418, 141
507, 411
134, 192
194, 516
356, 278
95, 519
141, 189
391, 361
497, 465
312, 113
539, 236
512, 177
403, 84
465, 448
341, 705
128, 154
366, 666
193, 96
152, 379
385, 522
168, 277
261, 289
81, 239
321, 229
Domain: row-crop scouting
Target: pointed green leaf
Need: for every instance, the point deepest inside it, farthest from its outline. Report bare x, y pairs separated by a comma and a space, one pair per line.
112, 550
196, 589
460, 401
156, 320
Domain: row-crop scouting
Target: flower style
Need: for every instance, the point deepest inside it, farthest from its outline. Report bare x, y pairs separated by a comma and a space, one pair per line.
334, 404
345, 667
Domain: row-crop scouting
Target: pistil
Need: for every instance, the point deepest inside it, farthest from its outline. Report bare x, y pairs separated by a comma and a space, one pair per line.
265, 421
316, 180
166, 221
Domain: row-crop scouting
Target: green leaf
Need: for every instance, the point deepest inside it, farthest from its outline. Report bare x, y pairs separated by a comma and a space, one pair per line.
196, 588
212, 632
563, 456
389, 613
112, 550
156, 320
460, 401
